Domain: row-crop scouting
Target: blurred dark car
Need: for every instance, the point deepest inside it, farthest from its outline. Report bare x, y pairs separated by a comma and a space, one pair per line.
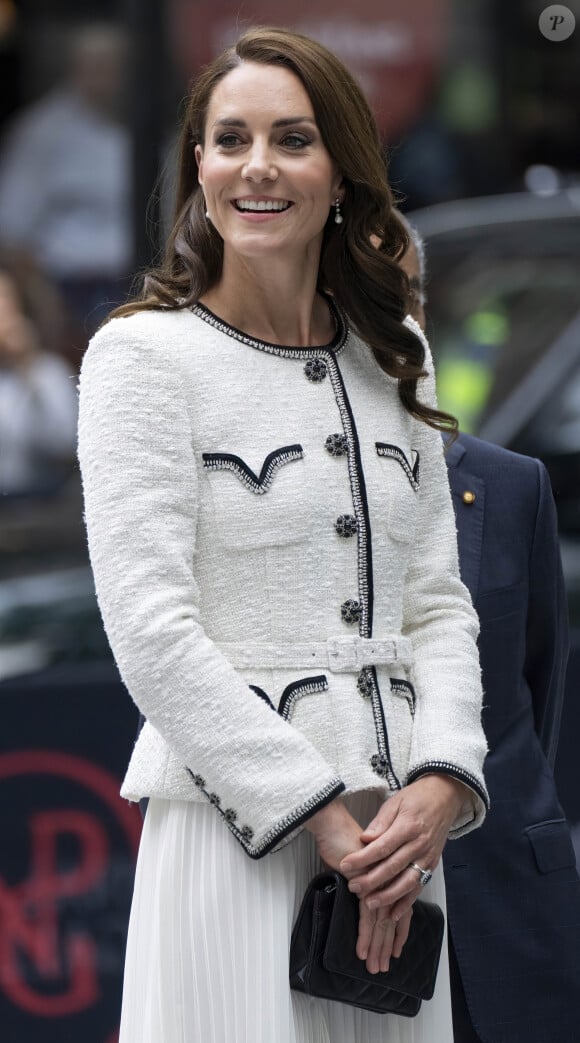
503, 288
48, 610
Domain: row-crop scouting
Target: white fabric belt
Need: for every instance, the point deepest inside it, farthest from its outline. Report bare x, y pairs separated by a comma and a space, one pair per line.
340, 655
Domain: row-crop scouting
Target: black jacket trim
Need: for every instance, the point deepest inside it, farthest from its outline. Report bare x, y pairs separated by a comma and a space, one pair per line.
402, 687
381, 764
284, 351
445, 768
294, 691
262, 694
385, 449
290, 822
258, 485
359, 499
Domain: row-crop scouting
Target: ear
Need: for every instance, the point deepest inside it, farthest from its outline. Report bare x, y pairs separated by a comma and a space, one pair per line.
199, 160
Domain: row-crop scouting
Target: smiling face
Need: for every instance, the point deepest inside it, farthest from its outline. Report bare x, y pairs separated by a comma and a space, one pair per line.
268, 180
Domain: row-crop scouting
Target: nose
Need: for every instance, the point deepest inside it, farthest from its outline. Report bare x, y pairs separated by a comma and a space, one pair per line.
259, 165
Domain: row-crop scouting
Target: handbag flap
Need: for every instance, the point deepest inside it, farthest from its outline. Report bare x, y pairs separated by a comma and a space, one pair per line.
413, 973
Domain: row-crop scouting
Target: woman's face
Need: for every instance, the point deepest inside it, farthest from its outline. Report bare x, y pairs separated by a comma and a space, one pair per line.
267, 178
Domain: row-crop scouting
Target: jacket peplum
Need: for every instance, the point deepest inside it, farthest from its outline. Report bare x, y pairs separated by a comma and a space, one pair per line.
274, 551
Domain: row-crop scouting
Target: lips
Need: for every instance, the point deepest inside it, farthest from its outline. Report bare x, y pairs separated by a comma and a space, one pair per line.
261, 206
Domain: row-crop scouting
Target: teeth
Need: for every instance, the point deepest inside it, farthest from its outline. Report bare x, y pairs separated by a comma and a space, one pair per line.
249, 204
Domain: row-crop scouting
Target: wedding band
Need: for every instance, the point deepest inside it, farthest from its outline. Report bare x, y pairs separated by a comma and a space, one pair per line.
425, 874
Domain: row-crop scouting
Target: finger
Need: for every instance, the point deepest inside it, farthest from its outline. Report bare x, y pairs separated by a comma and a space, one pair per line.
402, 932
400, 909
384, 872
387, 949
404, 889
379, 849
366, 923
381, 944
383, 819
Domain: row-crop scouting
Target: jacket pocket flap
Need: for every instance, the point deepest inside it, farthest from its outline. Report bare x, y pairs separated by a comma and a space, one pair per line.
552, 845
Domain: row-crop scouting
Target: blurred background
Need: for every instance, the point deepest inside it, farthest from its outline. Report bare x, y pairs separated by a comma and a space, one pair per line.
480, 115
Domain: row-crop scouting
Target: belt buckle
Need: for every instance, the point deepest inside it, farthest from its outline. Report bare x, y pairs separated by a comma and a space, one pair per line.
343, 654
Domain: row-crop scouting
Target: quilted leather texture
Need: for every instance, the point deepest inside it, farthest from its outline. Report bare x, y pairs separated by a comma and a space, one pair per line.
323, 960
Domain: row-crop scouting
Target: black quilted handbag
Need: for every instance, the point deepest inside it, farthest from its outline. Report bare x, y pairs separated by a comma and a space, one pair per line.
323, 960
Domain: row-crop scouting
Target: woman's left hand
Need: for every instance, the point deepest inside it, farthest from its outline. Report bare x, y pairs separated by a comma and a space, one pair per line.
411, 826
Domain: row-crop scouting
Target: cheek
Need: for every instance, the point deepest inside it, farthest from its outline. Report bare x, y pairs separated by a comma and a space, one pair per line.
215, 174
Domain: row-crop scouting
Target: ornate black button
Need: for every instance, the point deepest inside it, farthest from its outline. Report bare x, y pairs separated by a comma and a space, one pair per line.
316, 370
379, 765
336, 445
345, 525
364, 684
350, 611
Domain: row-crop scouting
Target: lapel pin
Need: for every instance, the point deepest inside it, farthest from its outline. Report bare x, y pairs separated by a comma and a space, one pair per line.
468, 497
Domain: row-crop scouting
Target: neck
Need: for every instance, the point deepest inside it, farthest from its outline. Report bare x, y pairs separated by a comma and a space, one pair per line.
272, 300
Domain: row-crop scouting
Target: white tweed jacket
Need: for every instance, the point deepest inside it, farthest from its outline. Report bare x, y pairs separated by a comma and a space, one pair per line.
274, 551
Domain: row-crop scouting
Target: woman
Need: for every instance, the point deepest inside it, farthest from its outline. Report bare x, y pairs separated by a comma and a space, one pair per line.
277, 572
38, 402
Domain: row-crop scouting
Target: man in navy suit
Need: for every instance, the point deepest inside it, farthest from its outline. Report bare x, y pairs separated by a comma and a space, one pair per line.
513, 893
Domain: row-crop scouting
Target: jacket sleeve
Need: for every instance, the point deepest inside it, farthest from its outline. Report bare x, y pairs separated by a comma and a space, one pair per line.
439, 618
547, 623
139, 479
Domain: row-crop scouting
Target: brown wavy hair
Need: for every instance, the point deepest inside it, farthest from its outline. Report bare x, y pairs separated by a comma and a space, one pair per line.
367, 283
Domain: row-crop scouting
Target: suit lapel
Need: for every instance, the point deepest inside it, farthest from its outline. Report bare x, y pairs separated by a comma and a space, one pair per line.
469, 517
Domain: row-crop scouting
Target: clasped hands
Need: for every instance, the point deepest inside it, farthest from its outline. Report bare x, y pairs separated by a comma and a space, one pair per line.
411, 826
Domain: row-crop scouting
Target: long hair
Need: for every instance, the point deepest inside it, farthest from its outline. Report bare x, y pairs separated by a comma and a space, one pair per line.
366, 283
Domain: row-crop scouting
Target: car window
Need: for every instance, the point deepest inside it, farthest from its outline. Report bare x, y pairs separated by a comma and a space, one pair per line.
503, 305
497, 298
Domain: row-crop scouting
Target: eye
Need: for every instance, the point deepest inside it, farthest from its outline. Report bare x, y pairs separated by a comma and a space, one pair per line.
228, 140
296, 141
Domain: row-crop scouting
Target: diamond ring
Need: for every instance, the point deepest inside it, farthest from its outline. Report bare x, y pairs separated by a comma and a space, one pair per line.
424, 874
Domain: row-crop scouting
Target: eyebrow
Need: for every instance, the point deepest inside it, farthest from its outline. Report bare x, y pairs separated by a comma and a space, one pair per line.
290, 121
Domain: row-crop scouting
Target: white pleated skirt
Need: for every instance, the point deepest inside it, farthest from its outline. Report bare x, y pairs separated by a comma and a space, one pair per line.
209, 938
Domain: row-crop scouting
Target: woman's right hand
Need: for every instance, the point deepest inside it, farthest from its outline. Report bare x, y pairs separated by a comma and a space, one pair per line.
338, 834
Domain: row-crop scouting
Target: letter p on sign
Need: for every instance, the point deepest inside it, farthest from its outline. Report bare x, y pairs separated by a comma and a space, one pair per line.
556, 23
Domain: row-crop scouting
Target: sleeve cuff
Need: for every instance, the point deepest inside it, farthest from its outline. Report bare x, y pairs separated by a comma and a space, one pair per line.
256, 847
476, 804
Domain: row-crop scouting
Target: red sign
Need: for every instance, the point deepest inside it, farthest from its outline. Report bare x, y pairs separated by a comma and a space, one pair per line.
75, 833
394, 49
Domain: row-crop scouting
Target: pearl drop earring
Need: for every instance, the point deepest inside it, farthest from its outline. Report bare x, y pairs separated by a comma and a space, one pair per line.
338, 218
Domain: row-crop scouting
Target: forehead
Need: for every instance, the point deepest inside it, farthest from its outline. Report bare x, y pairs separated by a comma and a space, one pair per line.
252, 89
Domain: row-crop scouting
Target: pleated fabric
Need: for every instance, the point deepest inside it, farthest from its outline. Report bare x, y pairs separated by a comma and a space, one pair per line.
209, 938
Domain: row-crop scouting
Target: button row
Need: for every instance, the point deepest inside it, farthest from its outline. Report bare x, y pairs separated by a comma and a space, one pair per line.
345, 525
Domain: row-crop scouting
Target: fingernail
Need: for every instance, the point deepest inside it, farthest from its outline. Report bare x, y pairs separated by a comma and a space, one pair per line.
396, 917
346, 867
354, 887
364, 954
372, 903
385, 966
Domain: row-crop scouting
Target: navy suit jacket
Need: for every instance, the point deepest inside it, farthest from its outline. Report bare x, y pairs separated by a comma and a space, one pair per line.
513, 893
